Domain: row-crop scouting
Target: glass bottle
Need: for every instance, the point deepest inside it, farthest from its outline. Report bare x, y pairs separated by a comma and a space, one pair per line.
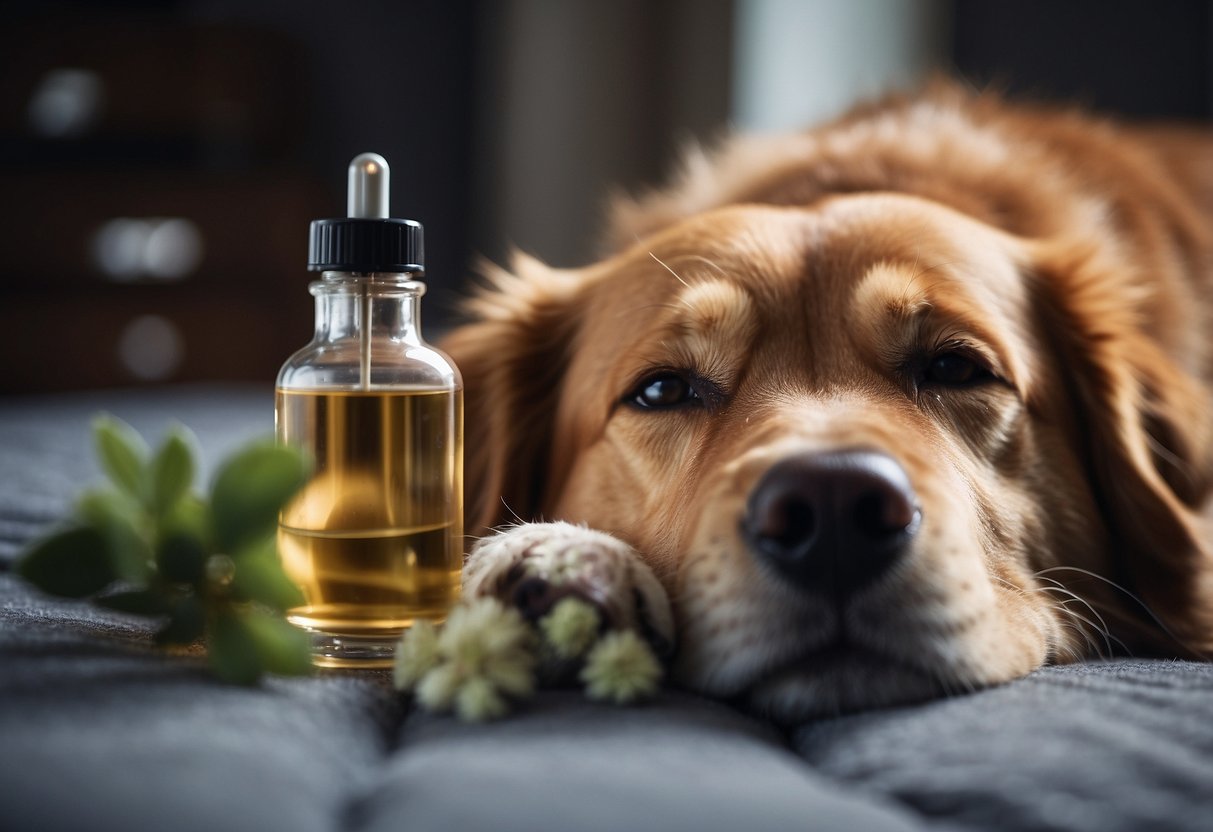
375, 539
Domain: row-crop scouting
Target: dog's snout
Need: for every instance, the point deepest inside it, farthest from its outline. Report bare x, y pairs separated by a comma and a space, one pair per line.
832, 522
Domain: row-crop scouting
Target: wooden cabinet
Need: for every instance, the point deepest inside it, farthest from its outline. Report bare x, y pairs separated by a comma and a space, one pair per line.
155, 215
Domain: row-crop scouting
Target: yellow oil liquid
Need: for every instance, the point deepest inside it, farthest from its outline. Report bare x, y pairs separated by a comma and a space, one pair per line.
375, 539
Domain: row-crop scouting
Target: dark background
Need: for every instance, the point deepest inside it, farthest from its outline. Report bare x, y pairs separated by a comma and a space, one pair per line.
1136, 58
505, 123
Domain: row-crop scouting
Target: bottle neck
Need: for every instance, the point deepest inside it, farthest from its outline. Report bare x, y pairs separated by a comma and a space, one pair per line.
368, 307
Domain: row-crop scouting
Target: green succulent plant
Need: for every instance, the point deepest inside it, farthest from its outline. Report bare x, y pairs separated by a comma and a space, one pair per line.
207, 569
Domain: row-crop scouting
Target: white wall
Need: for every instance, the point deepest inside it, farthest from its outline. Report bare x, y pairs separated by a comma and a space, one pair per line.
801, 61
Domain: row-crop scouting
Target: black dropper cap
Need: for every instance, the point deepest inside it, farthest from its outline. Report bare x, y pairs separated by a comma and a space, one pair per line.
368, 240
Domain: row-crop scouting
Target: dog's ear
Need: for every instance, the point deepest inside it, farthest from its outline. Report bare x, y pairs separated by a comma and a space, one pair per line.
512, 357
1149, 428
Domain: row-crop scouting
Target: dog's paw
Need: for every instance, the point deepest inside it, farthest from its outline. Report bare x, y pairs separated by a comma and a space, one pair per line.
535, 565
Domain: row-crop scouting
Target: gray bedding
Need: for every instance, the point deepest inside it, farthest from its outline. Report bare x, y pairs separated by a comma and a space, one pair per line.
99, 731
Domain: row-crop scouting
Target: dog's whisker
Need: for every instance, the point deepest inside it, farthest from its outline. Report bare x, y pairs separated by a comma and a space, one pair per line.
1024, 593
1108, 638
1170, 457
1073, 622
666, 266
1058, 639
913, 285
944, 264
1068, 618
1103, 624
1059, 587
1102, 628
699, 258
1131, 596
1085, 635
513, 513
951, 684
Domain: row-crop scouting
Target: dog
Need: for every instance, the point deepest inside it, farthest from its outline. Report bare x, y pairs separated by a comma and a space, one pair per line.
903, 406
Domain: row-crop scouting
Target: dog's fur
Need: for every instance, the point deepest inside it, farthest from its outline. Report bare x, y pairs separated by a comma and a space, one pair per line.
800, 283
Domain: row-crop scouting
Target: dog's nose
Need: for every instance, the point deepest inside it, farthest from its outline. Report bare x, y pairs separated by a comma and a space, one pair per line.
832, 522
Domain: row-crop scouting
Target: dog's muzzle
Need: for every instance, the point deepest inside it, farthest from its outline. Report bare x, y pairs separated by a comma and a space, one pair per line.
832, 522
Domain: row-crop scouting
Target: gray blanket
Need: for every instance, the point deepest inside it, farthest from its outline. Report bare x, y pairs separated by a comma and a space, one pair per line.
100, 731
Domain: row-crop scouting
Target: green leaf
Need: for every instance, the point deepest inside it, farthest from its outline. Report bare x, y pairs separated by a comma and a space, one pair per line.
282, 648
72, 563
103, 508
118, 518
137, 602
186, 624
172, 469
191, 516
123, 455
233, 654
261, 578
182, 558
249, 491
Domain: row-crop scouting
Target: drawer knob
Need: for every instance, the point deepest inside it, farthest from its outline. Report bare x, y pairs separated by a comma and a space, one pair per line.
157, 249
151, 348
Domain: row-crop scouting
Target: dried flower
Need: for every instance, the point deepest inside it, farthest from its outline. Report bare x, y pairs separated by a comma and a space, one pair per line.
477, 701
483, 652
436, 690
571, 627
416, 655
621, 668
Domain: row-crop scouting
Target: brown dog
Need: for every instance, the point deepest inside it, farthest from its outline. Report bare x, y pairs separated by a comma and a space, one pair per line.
909, 404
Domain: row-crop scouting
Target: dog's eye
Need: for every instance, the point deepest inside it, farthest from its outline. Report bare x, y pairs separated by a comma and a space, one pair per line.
664, 390
954, 369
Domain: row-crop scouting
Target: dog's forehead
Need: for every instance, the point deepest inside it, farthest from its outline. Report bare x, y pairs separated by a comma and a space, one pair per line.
827, 249
805, 280
751, 246
854, 233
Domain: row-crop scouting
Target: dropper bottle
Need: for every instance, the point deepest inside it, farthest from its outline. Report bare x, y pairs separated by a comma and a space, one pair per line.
375, 539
